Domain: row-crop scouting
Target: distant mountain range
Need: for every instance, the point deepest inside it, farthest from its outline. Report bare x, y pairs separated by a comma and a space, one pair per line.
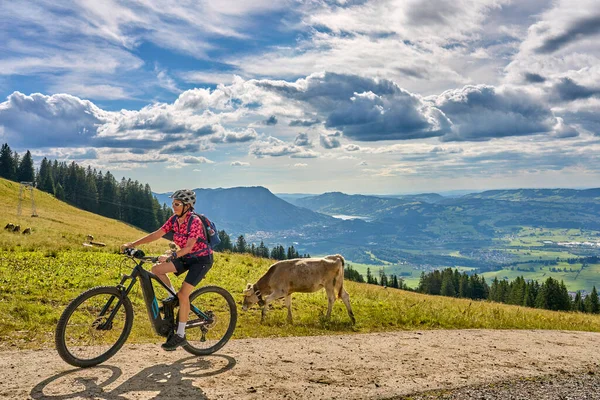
395, 229
245, 210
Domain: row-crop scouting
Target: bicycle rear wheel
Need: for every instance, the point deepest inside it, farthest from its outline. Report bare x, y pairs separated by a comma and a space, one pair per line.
212, 319
84, 335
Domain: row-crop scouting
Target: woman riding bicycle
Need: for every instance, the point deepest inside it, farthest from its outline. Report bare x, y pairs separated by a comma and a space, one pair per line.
194, 255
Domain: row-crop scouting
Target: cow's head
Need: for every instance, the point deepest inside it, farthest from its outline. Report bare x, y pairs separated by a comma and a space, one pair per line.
251, 297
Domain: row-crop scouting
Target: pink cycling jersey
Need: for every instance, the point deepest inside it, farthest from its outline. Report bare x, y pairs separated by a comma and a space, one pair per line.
180, 235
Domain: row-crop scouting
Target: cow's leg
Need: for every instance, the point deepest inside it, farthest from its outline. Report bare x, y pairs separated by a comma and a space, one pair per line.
288, 304
346, 299
268, 299
330, 300
263, 313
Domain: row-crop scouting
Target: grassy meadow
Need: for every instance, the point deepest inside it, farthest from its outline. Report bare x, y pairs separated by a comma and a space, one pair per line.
58, 225
42, 272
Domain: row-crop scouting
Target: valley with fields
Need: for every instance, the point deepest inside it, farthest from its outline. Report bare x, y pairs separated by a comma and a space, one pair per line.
532, 233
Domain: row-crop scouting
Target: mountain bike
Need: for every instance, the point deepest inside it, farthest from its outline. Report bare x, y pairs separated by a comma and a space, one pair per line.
96, 324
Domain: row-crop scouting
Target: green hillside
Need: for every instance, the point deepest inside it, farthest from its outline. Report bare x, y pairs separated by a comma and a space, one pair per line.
41, 273
58, 225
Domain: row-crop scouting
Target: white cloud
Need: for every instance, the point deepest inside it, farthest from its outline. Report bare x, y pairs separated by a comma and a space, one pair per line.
425, 46
303, 140
42, 121
196, 160
563, 41
485, 112
239, 164
165, 81
330, 141
246, 135
274, 147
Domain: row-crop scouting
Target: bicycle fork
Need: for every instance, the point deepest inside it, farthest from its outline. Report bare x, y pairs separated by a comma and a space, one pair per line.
107, 325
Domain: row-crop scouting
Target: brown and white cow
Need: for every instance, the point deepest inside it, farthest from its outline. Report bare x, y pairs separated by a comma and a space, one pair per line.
304, 275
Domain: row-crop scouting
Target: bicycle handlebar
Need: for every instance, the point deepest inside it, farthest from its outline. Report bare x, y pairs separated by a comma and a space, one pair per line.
138, 254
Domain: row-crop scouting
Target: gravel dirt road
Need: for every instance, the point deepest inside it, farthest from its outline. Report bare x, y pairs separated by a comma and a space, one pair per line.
367, 366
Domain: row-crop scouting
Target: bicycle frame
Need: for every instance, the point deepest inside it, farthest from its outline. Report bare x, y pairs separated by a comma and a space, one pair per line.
162, 326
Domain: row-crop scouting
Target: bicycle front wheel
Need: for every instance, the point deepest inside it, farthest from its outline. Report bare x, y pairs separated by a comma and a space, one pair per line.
212, 320
94, 326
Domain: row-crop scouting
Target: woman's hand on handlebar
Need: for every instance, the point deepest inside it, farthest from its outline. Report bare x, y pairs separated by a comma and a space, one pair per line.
126, 246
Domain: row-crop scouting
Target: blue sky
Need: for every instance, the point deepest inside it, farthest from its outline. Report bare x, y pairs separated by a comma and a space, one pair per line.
386, 96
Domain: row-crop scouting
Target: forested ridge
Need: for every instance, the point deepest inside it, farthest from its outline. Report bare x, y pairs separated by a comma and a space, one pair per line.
101, 193
86, 188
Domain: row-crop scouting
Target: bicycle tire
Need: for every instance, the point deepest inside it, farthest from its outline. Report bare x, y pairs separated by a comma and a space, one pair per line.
189, 346
63, 342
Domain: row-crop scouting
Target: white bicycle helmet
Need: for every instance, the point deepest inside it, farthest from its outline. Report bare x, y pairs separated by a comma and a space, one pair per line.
186, 196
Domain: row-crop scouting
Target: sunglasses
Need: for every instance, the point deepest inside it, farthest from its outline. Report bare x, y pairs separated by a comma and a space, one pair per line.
177, 204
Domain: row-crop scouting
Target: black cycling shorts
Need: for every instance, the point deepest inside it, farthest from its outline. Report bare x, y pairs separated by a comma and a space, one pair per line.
197, 267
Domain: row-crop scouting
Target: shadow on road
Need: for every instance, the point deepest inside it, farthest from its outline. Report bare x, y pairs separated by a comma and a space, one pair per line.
162, 381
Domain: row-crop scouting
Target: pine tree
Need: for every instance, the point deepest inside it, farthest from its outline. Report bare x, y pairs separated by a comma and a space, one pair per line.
578, 304
565, 303
158, 212
517, 291
592, 304
241, 244
71, 184
369, 276
447, 288
278, 253
541, 300
225, 244
494, 290
8, 169
466, 285
59, 192
45, 181
109, 206
149, 221
89, 192
263, 251
25, 172
529, 298
383, 280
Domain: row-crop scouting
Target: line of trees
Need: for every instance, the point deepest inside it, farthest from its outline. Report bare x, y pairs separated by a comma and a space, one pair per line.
241, 246
550, 295
452, 283
14, 167
384, 280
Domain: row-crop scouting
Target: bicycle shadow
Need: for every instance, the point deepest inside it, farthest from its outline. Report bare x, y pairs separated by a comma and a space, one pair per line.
156, 382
